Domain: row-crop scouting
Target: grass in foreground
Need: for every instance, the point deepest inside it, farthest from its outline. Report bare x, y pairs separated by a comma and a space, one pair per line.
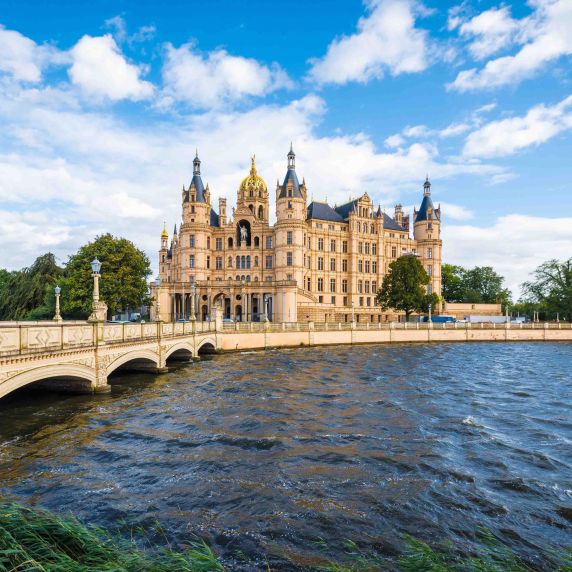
34, 540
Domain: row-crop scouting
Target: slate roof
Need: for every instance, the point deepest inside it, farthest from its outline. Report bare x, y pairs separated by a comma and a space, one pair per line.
199, 189
293, 178
390, 224
345, 209
323, 211
426, 205
214, 218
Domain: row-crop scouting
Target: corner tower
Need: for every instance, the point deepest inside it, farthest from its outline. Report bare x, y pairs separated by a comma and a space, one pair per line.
427, 233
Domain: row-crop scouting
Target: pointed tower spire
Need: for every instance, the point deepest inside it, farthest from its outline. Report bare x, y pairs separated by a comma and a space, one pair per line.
175, 230
291, 158
196, 164
426, 187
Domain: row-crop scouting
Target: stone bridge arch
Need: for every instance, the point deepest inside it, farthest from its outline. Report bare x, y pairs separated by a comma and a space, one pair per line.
69, 377
181, 351
207, 346
136, 360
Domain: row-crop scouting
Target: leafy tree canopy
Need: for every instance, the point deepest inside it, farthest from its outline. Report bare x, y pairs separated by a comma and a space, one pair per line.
550, 289
124, 270
403, 288
478, 285
22, 291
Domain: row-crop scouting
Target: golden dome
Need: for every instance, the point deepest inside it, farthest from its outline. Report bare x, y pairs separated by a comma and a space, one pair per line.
253, 182
164, 234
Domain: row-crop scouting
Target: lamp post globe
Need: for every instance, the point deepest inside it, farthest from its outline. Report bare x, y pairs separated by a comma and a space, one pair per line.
98, 309
57, 315
157, 303
95, 266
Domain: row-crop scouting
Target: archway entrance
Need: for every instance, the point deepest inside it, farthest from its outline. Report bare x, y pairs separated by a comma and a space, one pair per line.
238, 313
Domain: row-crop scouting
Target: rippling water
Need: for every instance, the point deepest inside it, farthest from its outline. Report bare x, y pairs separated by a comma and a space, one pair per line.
263, 454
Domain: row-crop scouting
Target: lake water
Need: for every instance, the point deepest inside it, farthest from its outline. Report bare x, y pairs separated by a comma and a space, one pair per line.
279, 456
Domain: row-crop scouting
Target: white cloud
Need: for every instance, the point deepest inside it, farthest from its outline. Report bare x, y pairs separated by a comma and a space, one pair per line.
508, 136
395, 140
490, 31
545, 36
514, 245
22, 58
119, 28
100, 70
205, 81
456, 212
386, 40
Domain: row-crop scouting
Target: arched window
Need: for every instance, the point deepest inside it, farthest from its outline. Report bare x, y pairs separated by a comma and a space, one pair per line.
256, 262
237, 262
250, 194
230, 242
251, 207
248, 262
237, 278
256, 241
230, 261
248, 278
243, 261
261, 212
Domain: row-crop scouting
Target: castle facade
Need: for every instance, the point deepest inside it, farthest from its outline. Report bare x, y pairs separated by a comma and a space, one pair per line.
316, 263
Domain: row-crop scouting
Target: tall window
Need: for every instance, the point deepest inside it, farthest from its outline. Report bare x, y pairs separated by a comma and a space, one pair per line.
208, 261
429, 253
309, 242
366, 286
192, 261
229, 261
344, 265
218, 262
367, 265
288, 259
332, 284
308, 283
373, 287
367, 247
374, 266
237, 262
192, 241
268, 242
344, 286
309, 261
332, 245
394, 252
208, 242
320, 263
360, 286
269, 262
430, 270
360, 265
289, 237
320, 284
360, 247
248, 262
219, 243
374, 247
320, 244
345, 246
333, 264
256, 262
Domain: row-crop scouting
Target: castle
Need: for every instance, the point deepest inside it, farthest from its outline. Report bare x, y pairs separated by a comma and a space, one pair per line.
316, 263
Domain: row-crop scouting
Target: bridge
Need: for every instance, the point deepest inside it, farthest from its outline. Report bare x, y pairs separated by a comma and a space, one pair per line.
80, 356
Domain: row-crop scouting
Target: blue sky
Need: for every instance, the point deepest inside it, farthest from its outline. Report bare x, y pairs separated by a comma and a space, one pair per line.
102, 106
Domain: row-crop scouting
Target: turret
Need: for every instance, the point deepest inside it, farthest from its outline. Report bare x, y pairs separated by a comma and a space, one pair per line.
291, 195
222, 211
427, 233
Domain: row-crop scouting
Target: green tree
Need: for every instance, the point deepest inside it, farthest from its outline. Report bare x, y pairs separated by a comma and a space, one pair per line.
482, 284
403, 287
22, 291
551, 288
452, 282
124, 272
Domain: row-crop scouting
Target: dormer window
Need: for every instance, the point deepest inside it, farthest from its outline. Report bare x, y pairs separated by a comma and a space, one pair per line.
289, 192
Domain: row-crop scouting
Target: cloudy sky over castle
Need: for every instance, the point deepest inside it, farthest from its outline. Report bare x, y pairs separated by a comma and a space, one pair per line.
102, 106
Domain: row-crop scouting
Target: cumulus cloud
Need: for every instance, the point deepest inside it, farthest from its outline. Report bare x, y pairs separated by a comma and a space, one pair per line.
100, 70
542, 38
514, 245
508, 136
490, 31
386, 40
205, 81
23, 59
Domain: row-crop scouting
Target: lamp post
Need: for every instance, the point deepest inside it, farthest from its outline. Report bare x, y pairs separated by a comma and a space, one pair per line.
57, 292
158, 301
193, 293
353, 312
98, 309
430, 306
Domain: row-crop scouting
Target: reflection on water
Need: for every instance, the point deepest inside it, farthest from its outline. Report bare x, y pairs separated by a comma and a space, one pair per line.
262, 454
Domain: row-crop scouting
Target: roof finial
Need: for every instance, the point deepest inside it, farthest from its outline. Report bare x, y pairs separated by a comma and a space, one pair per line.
426, 186
196, 164
291, 150
291, 158
253, 165
164, 234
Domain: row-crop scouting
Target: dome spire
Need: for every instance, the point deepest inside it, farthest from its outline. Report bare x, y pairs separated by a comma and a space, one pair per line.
426, 186
164, 233
196, 164
291, 158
